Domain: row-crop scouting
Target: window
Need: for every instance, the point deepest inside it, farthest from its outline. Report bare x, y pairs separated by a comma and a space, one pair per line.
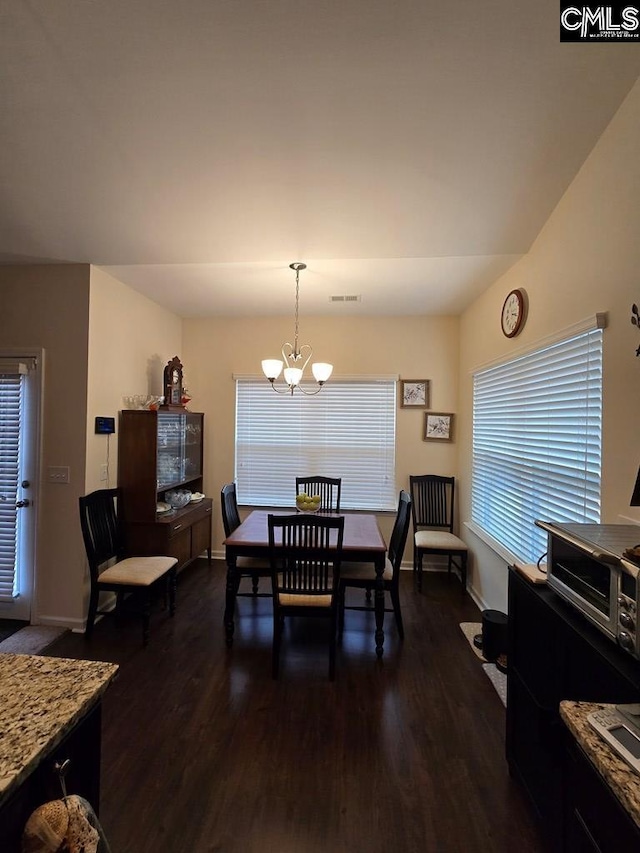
536, 442
18, 419
347, 430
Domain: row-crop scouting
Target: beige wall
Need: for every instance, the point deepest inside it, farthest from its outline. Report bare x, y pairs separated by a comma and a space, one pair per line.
585, 260
131, 339
48, 306
411, 347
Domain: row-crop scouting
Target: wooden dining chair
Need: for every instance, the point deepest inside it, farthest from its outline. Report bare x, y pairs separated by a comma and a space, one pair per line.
245, 566
305, 553
363, 575
110, 570
327, 487
432, 510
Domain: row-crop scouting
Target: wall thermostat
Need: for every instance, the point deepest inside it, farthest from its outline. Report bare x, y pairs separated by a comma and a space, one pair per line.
105, 426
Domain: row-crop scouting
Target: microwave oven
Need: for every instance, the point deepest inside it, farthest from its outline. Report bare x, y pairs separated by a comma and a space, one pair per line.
586, 566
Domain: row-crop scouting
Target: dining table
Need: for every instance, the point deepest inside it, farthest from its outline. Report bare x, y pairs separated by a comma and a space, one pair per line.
362, 542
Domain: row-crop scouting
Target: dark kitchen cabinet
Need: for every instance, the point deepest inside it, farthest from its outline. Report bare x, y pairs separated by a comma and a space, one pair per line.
554, 654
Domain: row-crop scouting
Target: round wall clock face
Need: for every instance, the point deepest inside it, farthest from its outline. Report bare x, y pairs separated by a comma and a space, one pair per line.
512, 318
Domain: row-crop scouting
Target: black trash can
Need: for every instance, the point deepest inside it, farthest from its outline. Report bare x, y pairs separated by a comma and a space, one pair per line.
494, 634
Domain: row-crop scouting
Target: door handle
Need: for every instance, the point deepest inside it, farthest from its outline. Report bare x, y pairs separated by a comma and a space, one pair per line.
25, 502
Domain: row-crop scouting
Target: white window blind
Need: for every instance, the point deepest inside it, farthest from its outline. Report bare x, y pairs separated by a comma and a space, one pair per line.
11, 406
536, 442
347, 431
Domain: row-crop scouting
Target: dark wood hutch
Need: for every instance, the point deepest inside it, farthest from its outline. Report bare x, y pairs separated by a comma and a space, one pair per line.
159, 451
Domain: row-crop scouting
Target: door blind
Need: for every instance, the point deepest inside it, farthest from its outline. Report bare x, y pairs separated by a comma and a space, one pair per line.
11, 404
537, 442
347, 431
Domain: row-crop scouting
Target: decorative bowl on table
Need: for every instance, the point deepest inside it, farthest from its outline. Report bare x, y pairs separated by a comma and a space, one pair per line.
177, 498
196, 497
309, 504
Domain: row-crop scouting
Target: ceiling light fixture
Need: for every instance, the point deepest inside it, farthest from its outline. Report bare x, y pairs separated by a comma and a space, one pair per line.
295, 358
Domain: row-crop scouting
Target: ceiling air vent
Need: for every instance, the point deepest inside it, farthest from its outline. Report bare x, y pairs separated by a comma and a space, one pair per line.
357, 298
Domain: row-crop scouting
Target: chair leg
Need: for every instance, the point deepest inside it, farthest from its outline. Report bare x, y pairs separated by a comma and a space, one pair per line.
146, 617
395, 598
255, 580
367, 595
449, 566
277, 634
341, 602
332, 649
420, 555
171, 588
91, 616
463, 572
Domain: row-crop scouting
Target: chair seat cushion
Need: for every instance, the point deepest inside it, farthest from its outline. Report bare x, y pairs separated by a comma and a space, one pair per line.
137, 571
438, 540
364, 571
289, 600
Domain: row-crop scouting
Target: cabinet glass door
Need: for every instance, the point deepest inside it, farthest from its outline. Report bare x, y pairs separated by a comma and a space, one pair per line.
179, 449
170, 450
192, 446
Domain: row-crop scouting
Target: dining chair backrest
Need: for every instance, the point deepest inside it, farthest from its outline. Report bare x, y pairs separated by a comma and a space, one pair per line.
328, 488
432, 501
102, 530
229, 506
400, 531
305, 552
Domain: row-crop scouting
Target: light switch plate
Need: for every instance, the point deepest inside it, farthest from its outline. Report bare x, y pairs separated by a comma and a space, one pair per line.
58, 474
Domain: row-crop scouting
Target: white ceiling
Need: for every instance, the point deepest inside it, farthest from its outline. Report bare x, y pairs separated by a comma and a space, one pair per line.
409, 152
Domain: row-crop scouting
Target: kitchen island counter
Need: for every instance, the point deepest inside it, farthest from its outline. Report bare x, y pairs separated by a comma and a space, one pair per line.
602, 791
47, 704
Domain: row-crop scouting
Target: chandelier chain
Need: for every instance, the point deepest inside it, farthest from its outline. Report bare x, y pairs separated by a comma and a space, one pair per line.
295, 338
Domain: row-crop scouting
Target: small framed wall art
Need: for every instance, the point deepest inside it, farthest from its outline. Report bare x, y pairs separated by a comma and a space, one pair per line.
414, 393
438, 426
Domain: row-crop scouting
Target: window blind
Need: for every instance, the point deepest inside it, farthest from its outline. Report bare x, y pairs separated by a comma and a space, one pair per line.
347, 431
537, 442
11, 405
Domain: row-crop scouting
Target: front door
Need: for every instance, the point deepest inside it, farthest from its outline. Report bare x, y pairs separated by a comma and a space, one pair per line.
19, 428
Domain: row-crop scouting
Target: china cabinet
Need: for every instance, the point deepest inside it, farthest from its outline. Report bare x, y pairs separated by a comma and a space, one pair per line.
159, 451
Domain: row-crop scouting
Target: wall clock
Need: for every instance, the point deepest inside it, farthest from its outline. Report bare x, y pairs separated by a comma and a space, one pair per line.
513, 311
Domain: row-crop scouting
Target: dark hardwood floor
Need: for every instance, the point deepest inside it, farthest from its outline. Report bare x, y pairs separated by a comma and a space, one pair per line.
203, 751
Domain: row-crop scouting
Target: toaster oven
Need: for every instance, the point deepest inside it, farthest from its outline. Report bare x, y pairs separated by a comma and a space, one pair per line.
586, 567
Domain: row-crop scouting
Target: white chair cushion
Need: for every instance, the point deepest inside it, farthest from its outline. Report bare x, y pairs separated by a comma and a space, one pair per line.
137, 571
286, 599
439, 540
364, 571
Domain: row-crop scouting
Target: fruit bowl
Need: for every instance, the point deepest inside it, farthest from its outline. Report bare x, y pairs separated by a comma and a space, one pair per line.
308, 504
178, 498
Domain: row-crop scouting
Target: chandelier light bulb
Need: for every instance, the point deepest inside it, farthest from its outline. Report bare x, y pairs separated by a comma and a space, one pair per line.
271, 367
321, 371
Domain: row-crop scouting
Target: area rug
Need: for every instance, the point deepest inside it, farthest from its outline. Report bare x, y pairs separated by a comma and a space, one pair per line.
497, 678
32, 640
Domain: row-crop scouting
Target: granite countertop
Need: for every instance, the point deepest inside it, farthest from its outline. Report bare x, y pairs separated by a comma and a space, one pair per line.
622, 780
41, 699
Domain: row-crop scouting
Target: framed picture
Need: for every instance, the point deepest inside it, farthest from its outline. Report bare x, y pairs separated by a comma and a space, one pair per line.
438, 426
414, 393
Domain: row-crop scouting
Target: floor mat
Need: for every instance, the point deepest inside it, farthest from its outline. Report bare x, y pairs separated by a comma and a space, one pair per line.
32, 640
497, 678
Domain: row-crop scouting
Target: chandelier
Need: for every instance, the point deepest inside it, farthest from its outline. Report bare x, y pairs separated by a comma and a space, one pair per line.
295, 358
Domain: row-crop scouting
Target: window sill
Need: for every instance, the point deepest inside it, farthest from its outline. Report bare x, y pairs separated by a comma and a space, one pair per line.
496, 546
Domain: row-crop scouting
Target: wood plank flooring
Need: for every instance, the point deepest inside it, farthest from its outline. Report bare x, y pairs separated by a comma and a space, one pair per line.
203, 751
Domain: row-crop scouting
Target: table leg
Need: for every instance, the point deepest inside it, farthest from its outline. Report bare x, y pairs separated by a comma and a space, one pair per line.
379, 607
230, 604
